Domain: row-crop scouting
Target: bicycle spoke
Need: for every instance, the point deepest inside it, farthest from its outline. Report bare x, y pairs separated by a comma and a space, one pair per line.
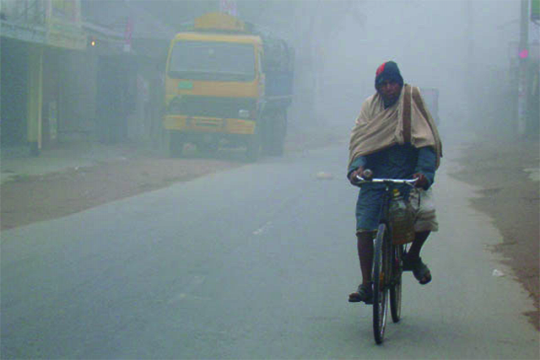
380, 278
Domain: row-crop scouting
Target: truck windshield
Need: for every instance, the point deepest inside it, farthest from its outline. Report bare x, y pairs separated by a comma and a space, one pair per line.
217, 61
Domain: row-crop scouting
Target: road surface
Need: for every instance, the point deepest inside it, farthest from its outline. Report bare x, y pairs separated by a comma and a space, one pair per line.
256, 262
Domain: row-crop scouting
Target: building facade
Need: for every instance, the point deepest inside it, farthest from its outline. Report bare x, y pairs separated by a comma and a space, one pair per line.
78, 69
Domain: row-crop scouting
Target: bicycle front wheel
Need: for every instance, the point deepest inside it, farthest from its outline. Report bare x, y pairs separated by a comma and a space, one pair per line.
381, 276
395, 288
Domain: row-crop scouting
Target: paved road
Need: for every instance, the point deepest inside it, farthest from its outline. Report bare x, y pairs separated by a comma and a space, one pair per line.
255, 262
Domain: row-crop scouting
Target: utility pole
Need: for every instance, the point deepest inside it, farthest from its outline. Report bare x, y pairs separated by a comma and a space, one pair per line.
469, 63
523, 65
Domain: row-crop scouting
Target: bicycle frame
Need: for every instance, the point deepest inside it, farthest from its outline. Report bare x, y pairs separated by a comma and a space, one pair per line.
387, 258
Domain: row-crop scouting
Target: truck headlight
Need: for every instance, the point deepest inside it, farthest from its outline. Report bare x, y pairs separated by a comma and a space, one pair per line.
244, 114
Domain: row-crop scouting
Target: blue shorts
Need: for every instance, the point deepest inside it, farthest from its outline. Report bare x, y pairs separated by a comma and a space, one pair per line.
368, 209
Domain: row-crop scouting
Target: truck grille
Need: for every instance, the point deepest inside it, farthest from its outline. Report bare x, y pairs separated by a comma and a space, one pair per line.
212, 106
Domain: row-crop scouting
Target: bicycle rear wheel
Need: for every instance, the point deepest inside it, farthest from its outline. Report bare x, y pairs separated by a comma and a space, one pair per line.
381, 275
395, 288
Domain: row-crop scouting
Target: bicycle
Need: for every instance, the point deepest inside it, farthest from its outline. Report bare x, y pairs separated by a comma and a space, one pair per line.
388, 258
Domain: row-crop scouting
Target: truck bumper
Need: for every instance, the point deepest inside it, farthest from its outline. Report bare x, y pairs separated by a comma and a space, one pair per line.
195, 124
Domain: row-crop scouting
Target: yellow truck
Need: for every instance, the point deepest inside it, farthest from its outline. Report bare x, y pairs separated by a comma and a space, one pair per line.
227, 84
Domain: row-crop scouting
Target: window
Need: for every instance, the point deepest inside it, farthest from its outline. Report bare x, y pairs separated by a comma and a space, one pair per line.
217, 61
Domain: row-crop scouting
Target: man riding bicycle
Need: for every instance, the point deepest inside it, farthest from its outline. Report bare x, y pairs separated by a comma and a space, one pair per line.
395, 137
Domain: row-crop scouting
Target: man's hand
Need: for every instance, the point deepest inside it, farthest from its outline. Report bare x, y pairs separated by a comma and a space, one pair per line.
353, 178
422, 180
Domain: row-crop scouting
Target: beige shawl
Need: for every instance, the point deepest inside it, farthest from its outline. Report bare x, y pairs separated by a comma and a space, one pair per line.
408, 120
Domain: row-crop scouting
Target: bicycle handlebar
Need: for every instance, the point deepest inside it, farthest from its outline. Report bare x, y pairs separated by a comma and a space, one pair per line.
409, 182
368, 174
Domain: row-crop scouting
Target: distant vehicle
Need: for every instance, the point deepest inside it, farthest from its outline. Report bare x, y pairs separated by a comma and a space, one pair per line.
227, 84
431, 97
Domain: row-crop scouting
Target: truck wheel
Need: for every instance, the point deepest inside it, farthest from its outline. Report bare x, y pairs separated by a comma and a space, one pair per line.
277, 135
267, 135
254, 147
176, 144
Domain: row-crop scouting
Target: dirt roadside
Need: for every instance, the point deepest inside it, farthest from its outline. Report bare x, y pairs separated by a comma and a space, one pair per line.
505, 171
29, 198
509, 196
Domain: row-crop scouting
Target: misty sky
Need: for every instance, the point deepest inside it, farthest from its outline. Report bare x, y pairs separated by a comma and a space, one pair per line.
434, 42
460, 47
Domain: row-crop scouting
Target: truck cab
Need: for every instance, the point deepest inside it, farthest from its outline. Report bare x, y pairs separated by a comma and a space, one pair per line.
215, 87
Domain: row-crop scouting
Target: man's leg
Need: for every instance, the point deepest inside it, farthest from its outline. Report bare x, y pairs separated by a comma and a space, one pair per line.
414, 262
426, 222
365, 257
416, 247
365, 254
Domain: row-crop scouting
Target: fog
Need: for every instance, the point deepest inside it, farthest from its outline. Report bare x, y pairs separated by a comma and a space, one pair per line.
457, 47
463, 48
121, 245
